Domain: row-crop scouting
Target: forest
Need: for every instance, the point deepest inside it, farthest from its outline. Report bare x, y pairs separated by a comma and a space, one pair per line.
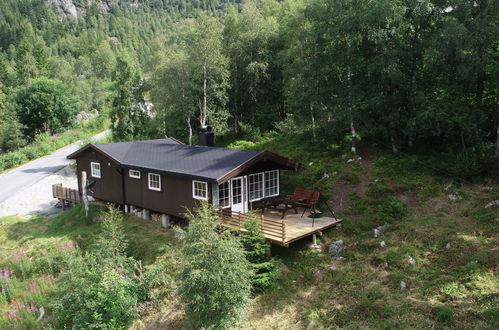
416, 76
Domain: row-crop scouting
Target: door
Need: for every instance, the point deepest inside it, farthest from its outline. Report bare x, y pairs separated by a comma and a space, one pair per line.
239, 202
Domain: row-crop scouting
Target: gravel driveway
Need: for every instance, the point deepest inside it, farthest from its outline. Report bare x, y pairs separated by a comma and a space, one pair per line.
27, 189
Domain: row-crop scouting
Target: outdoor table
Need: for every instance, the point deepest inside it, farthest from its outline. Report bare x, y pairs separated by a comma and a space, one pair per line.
278, 203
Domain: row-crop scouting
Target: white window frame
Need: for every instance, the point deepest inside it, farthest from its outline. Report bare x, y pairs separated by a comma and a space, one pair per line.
133, 174
265, 183
262, 191
226, 194
149, 175
92, 169
194, 195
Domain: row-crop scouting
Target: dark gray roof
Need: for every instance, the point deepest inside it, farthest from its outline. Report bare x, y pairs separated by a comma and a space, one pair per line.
170, 157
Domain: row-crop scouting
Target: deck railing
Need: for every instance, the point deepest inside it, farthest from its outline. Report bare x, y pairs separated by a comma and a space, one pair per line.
65, 195
274, 230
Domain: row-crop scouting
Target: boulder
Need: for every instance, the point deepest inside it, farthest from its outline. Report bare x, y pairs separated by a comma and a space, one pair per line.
411, 260
336, 248
496, 202
403, 285
382, 244
379, 230
455, 196
447, 246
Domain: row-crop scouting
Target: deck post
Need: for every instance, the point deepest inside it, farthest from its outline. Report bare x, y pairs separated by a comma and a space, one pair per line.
283, 231
145, 214
126, 208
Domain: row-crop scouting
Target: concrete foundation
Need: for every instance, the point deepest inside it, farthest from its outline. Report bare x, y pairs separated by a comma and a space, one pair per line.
165, 220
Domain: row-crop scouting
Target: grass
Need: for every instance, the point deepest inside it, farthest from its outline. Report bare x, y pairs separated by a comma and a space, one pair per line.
454, 287
33, 251
44, 144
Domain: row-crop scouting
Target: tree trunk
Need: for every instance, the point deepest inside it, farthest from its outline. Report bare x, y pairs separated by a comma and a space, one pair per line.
394, 144
313, 121
497, 144
190, 129
354, 137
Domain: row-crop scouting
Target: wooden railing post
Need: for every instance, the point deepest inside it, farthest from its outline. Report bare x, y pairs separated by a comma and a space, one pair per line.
283, 232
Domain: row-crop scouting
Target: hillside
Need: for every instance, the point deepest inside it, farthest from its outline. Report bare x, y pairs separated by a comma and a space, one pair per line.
452, 283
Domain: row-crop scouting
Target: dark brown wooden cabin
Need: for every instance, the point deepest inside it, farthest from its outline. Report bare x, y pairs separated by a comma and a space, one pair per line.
166, 176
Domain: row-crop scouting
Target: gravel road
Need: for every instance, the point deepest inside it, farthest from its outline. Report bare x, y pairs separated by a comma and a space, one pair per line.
28, 189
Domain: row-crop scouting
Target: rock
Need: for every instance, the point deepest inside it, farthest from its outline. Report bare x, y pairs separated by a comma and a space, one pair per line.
496, 202
350, 160
447, 246
382, 244
339, 258
411, 260
336, 248
455, 196
359, 158
65, 8
379, 230
497, 219
331, 268
311, 163
403, 285
314, 247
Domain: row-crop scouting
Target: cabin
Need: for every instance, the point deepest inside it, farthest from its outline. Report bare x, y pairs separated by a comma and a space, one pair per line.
166, 176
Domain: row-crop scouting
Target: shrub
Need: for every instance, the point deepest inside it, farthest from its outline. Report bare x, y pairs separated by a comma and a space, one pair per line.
442, 313
100, 289
215, 276
266, 270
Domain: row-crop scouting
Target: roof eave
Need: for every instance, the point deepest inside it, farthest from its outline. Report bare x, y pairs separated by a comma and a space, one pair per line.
265, 155
93, 146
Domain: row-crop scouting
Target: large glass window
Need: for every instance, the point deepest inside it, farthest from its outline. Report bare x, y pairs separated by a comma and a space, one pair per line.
154, 181
200, 190
95, 170
224, 194
272, 183
255, 182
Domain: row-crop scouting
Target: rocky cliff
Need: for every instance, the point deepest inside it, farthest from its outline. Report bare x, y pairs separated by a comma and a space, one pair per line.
75, 8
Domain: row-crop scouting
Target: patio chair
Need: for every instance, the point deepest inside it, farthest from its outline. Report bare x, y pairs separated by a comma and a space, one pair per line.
306, 198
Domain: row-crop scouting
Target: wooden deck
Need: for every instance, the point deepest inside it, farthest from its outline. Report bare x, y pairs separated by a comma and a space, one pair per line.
280, 231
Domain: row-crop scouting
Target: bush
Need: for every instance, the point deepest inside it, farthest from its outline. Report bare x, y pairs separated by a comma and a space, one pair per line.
100, 289
442, 313
266, 270
215, 277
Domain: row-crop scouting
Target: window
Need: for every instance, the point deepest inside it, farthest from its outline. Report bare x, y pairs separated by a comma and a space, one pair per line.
134, 174
272, 183
224, 195
199, 190
255, 186
154, 181
95, 169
